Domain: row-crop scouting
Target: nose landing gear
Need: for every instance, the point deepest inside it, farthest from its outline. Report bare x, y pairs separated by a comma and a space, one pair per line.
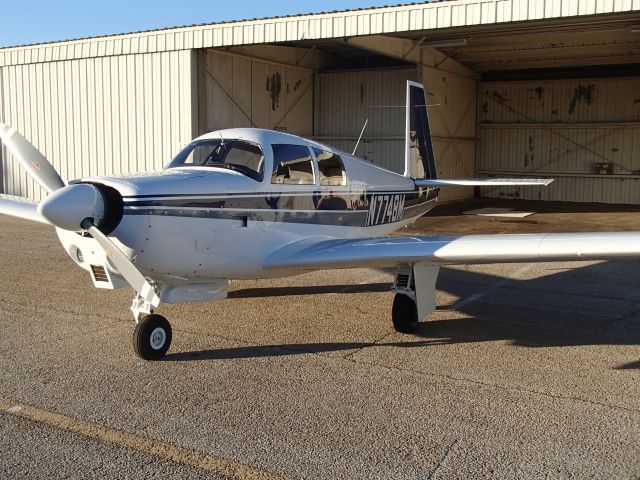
152, 337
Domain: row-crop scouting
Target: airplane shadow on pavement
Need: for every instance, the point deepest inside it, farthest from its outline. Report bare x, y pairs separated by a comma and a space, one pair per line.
594, 305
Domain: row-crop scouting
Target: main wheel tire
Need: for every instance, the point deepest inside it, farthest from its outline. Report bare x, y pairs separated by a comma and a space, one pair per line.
404, 314
152, 337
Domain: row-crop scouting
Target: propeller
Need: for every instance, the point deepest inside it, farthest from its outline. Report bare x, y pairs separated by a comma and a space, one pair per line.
80, 206
31, 159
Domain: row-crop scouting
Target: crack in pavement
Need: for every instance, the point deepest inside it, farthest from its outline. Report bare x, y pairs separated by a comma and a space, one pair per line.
440, 464
48, 308
501, 387
375, 343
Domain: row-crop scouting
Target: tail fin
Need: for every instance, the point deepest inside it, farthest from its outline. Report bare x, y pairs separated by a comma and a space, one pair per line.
419, 161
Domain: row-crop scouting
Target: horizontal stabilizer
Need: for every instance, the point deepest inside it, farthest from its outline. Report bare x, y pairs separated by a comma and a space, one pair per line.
481, 182
21, 208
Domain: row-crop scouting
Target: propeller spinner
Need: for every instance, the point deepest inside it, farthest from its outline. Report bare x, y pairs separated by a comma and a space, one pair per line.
69, 206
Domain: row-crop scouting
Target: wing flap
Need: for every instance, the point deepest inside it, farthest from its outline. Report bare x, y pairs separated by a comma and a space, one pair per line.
21, 208
451, 250
481, 182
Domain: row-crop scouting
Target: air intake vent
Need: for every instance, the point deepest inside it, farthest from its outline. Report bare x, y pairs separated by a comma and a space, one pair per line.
402, 280
99, 274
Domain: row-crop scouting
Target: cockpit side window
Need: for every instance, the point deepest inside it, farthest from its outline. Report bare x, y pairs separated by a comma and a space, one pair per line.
248, 155
238, 155
331, 168
196, 153
292, 164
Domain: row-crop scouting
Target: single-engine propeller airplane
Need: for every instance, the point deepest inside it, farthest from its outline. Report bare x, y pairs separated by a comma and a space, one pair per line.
249, 203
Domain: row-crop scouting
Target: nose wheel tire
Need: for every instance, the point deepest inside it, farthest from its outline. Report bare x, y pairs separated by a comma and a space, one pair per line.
404, 314
152, 337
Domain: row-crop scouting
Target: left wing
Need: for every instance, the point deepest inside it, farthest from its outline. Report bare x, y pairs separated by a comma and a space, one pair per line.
21, 208
451, 250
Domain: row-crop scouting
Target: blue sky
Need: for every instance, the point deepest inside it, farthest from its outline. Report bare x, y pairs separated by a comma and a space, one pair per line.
35, 21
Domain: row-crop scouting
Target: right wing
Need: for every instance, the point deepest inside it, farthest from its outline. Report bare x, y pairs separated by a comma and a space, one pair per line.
21, 208
325, 253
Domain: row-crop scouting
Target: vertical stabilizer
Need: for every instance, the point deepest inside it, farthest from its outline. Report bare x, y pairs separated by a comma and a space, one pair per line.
418, 155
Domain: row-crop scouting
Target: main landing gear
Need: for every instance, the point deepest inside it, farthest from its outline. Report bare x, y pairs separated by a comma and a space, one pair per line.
404, 314
415, 289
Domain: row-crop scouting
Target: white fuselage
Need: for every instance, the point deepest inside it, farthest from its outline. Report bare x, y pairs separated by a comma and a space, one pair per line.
197, 224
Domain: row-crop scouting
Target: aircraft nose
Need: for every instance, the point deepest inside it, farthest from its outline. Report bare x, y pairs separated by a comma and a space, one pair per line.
67, 207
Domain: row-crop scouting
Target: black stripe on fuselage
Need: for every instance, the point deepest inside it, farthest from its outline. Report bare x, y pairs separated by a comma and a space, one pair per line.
270, 193
356, 209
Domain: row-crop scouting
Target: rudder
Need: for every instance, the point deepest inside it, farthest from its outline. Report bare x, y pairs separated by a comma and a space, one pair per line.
419, 158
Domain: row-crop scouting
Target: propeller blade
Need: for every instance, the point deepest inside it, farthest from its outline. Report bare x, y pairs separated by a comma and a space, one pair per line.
31, 159
126, 268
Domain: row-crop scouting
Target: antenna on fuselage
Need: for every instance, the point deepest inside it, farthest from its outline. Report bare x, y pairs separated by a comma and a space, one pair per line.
360, 137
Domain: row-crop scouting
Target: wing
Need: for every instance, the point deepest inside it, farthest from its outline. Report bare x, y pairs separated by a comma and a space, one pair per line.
481, 182
21, 208
467, 249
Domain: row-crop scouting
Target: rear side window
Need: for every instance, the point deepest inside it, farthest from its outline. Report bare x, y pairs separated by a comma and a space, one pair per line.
292, 164
331, 168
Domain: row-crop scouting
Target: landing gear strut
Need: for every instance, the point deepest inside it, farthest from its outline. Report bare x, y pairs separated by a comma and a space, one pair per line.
152, 337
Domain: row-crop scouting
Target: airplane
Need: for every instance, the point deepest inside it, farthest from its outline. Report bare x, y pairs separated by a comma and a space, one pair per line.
249, 203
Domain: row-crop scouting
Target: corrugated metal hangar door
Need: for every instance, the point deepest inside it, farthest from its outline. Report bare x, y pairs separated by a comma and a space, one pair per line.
584, 133
344, 100
238, 91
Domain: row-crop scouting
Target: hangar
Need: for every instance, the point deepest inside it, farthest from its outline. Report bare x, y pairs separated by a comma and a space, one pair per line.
515, 88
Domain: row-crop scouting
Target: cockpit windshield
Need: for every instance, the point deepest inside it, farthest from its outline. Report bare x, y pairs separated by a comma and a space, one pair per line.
237, 155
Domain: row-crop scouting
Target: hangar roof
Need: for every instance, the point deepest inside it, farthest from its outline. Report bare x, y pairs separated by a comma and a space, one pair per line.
436, 20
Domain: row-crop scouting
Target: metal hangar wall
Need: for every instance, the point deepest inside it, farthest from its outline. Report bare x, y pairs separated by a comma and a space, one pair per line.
98, 115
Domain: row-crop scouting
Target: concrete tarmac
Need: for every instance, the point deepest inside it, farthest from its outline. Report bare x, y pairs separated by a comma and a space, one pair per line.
525, 370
